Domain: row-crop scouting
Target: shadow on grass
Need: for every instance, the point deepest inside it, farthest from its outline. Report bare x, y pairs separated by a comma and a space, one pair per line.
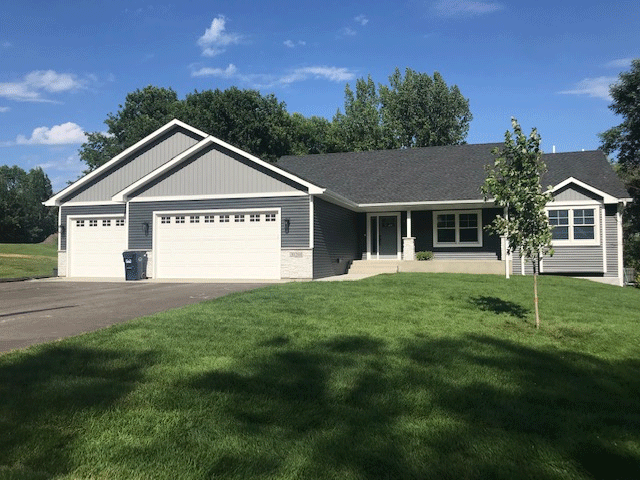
42, 396
476, 407
498, 306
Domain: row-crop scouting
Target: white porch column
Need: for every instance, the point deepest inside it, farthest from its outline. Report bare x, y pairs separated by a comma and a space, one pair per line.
408, 242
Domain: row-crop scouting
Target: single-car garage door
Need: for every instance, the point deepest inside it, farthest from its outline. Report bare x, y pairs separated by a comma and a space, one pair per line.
95, 246
217, 245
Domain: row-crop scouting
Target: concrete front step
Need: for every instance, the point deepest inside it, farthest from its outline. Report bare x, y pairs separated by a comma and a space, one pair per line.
370, 267
496, 267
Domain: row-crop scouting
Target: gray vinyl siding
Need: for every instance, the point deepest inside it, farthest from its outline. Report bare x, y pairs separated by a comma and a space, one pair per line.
611, 235
335, 239
574, 193
422, 230
136, 166
575, 259
217, 171
296, 209
87, 210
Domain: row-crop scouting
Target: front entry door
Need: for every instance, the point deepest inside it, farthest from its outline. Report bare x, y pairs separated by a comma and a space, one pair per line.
388, 236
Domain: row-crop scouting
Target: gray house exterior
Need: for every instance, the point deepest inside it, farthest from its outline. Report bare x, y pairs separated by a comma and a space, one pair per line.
201, 208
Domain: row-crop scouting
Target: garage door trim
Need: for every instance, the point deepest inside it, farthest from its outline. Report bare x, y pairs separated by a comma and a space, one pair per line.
215, 211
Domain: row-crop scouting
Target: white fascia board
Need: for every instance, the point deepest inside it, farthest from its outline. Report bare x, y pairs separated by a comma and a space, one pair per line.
210, 140
55, 200
606, 198
333, 197
431, 204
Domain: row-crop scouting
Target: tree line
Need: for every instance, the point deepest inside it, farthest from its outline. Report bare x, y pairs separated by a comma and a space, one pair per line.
23, 218
413, 110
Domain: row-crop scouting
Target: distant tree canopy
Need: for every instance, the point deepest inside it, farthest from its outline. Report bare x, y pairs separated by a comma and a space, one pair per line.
413, 111
23, 218
624, 141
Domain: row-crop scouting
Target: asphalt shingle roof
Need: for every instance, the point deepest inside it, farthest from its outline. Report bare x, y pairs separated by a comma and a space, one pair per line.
445, 173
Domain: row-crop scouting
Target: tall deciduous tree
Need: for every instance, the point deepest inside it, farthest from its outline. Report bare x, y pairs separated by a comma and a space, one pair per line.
514, 183
143, 112
416, 110
23, 218
624, 141
258, 124
359, 128
421, 111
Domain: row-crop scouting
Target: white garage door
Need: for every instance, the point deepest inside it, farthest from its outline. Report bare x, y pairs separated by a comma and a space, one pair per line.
95, 246
233, 245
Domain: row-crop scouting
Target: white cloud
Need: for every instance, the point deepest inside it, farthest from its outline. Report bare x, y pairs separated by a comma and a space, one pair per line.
333, 74
7, 45
260, 80
4, 109
361, 19
292, 44
31, 87
594, 87
215, 38
465, 8
228, 72
619, 63
63, 134
347, 32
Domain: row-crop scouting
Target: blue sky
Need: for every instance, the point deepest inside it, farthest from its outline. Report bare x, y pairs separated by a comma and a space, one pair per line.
65, 65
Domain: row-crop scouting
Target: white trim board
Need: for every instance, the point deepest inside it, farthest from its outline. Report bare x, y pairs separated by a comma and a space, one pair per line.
220, 196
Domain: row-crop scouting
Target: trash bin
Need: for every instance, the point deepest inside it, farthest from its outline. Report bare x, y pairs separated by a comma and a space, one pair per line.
135, 265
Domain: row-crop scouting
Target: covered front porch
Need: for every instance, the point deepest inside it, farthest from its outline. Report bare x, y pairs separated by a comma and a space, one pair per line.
454, 233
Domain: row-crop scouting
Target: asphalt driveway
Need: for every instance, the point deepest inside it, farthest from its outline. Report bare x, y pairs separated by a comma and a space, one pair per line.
40, 311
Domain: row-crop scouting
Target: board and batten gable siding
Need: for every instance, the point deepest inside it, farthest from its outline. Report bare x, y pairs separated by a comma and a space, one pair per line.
137, 165
217, 171
88, 210
574, 193
335, 238
296, 209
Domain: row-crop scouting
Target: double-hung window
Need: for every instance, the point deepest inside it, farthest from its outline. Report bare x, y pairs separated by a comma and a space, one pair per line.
573, 225
457, 228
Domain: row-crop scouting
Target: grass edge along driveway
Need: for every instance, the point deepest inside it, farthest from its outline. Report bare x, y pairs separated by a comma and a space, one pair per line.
396, 376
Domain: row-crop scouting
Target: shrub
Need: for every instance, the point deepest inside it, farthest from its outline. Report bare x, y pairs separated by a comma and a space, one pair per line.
424, 255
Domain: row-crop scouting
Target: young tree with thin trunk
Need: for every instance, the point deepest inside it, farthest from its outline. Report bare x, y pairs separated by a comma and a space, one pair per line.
514, 183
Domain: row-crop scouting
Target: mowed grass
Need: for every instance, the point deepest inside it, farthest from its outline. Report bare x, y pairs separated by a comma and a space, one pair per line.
19, 260
418, 376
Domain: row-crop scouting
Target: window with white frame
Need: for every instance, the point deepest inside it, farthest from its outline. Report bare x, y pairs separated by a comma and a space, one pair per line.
457, 228
574, 225
120, 222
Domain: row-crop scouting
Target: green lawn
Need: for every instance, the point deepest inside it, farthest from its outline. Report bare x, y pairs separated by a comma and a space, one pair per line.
421, 376
19, 260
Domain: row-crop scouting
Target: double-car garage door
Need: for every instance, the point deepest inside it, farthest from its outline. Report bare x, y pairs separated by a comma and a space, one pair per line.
222, 245
212, 244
